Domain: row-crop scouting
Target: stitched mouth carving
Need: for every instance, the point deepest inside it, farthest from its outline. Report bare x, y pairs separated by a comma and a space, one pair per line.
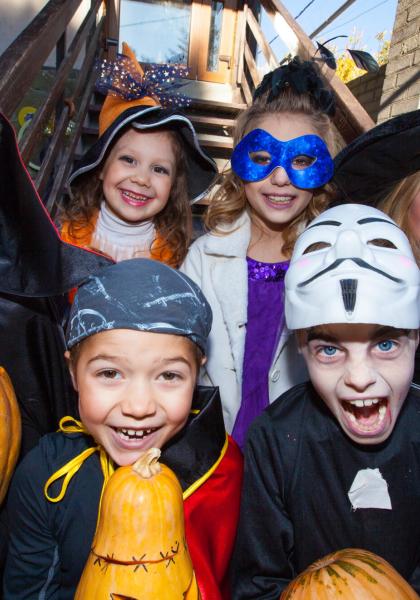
140, 550
104, 561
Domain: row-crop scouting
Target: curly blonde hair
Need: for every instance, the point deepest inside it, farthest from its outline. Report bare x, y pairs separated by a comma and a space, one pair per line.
229, 201
397, 205
173, 224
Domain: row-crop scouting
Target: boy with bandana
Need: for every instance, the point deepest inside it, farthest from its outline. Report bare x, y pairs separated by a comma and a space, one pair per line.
335, 462
136, 339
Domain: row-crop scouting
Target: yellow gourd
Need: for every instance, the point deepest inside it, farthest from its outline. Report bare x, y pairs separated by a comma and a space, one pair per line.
349, 574
10, 431
139, 550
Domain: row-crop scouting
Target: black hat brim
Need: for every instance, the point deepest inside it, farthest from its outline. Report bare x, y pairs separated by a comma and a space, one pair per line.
34, 260
368, 168
201, 168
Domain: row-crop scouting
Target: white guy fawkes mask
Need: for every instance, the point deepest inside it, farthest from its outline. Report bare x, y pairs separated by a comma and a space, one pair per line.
352, 264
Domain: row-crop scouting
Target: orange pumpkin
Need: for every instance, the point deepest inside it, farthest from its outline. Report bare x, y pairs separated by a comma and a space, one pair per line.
139, 550
349, 574
10, 431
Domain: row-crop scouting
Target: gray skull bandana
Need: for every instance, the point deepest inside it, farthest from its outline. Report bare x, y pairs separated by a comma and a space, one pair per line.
140, 294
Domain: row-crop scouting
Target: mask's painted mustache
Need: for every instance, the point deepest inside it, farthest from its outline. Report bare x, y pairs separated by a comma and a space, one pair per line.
360, 262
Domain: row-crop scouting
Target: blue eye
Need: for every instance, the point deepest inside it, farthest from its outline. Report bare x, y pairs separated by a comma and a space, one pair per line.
386, 345
329, 350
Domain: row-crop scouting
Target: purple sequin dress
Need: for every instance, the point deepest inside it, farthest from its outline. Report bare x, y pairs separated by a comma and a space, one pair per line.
264, 325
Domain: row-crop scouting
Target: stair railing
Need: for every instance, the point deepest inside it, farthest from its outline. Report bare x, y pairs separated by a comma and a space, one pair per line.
351, 119
23, 60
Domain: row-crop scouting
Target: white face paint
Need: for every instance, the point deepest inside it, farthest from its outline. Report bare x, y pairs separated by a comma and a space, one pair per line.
353, 265
362, 373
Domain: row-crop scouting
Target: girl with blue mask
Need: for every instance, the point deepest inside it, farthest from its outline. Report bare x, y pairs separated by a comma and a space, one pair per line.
281, 166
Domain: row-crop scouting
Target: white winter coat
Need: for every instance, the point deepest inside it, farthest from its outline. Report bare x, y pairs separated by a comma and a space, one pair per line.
217, 263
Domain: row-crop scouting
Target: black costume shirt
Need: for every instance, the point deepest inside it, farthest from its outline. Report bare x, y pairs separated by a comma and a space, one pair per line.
299, 468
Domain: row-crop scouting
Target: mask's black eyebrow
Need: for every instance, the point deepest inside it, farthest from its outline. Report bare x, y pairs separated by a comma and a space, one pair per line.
335, 223
375, 220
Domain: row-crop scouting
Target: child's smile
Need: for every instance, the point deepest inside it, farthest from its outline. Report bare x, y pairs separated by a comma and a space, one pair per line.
134, 434
133, 438
278, 201
126, 440
135, 389
134, 199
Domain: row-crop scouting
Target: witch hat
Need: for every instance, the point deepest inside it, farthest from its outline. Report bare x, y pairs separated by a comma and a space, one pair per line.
34, 261
367, 169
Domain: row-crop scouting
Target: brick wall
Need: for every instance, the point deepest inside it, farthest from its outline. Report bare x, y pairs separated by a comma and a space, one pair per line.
368, 90
401, 89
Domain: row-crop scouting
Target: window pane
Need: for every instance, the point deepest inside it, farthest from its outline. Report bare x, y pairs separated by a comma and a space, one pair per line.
158, 32
215, 35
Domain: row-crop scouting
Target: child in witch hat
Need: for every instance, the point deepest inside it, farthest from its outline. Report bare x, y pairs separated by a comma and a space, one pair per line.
131, 191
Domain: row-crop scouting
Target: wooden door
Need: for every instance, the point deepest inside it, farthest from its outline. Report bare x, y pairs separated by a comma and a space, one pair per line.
212, 40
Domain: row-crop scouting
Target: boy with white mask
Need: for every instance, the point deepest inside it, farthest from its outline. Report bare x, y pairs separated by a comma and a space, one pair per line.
335, 462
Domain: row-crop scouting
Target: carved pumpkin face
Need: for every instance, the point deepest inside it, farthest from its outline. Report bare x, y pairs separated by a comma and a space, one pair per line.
139, 549
349, 574
10, 431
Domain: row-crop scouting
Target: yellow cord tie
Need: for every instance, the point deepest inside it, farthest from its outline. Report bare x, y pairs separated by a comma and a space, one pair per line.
70, 425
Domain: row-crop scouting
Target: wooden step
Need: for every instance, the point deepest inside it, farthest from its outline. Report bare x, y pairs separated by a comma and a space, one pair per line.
204, 123
197, 103
211, 121
206, 139
215, 105
215, 141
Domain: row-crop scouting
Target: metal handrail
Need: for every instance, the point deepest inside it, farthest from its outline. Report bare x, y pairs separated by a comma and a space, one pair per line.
24, 58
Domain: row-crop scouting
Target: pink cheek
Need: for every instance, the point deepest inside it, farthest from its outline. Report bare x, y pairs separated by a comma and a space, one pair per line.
304, 262
406, 262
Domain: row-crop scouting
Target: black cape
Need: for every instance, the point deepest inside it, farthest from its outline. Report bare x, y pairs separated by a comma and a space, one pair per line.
36, 270
299, 467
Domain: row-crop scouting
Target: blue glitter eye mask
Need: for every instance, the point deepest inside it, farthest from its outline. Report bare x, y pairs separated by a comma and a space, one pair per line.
305, 159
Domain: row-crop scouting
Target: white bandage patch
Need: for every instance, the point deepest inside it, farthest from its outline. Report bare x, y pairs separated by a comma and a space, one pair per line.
369, 490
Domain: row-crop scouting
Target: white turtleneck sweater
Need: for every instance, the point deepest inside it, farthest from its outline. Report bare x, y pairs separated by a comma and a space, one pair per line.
121, 240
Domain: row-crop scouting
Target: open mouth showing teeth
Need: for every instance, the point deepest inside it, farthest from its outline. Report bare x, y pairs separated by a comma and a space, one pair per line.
366, 416
280, 199
134, 434
133, 197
